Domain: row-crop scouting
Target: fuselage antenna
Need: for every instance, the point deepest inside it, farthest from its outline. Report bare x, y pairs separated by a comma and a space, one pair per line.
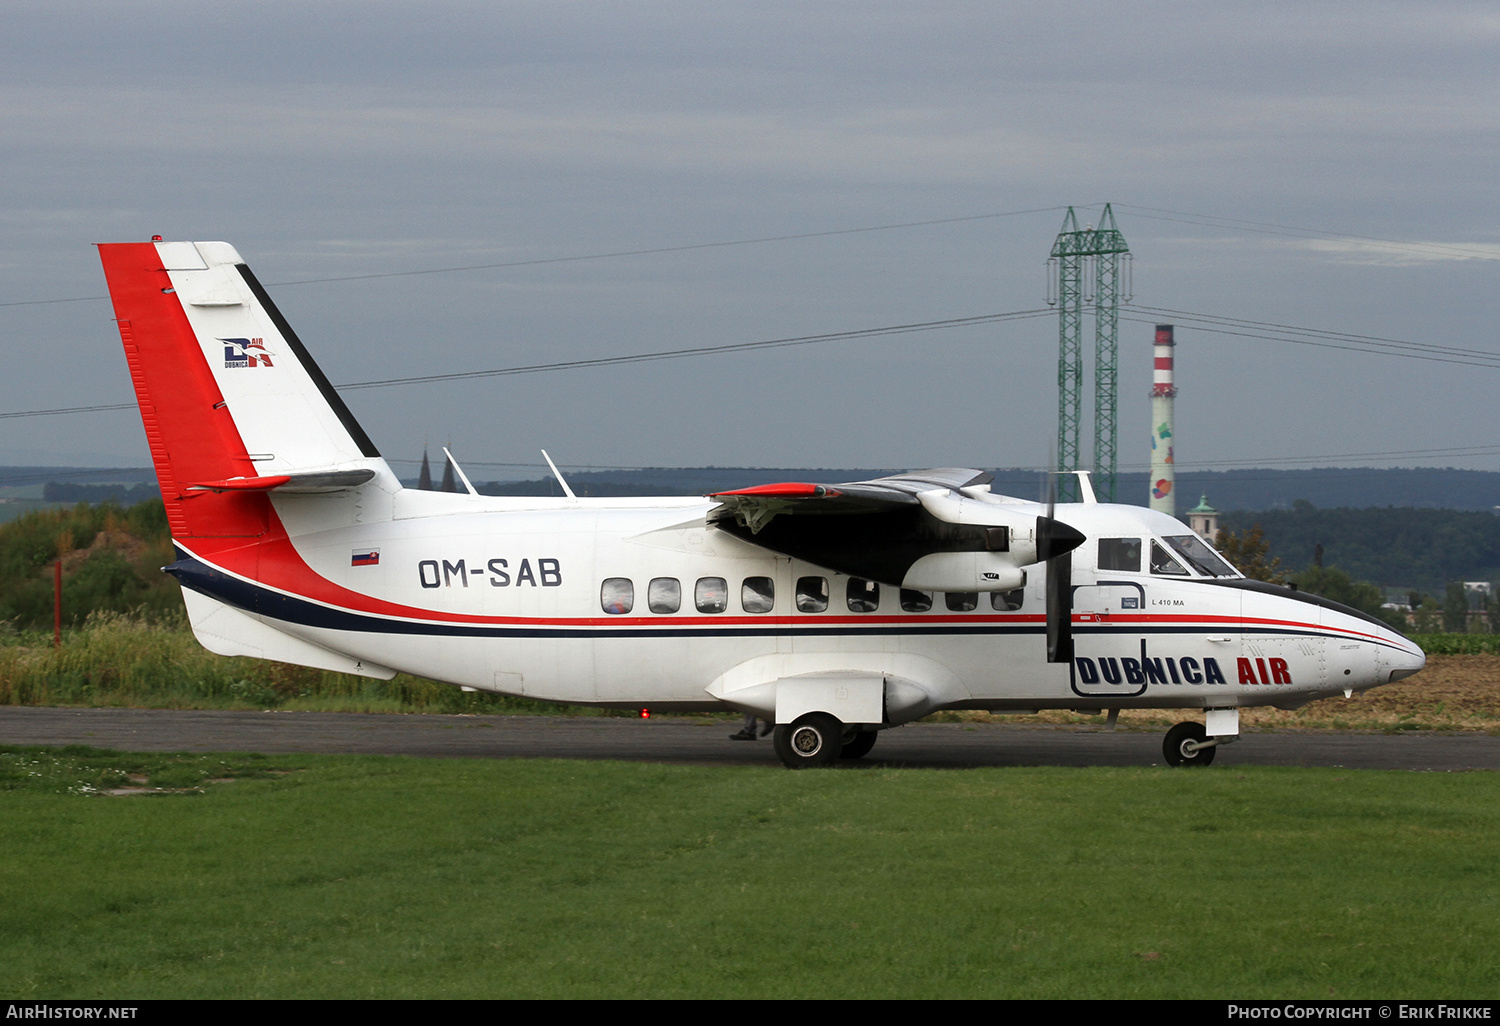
461, 475
558, 474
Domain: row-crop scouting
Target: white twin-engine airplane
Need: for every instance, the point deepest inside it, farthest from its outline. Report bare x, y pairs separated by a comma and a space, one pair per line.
833, 610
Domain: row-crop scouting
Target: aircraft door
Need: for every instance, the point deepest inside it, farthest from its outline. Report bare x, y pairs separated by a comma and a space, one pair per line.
1108, 654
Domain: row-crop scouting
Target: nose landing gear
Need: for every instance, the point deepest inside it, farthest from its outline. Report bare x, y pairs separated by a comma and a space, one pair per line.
1186, 745
1189, 743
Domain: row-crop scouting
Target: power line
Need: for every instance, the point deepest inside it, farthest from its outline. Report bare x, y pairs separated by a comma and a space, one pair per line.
1387, 454
611, 361
1213, 323
1150, 213
1321, 338
68, 409
738, 347
1324, 333
608, 255
674, 249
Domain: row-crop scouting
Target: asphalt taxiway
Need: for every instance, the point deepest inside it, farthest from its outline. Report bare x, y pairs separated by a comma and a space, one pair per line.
701, 741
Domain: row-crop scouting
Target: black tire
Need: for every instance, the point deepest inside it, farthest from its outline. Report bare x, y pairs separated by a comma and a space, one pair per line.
811, 740
1178, 737
858, 744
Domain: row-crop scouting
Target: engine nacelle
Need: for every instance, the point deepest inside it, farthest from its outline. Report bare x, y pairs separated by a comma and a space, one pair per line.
964, 571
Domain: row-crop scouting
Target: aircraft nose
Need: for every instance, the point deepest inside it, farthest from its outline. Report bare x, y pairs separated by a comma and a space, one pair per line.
1405, 661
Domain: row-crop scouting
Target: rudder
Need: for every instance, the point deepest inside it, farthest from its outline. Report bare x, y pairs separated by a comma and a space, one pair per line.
228, 395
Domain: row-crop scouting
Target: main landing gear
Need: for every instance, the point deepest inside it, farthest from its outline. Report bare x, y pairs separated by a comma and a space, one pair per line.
817, 739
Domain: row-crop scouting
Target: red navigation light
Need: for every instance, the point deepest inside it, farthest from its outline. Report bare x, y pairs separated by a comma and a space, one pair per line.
645, 714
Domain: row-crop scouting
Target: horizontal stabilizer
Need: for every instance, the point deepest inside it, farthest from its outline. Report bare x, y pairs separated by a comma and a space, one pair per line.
299, 482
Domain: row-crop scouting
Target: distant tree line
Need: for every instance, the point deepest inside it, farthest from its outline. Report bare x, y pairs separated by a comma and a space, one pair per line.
1394, 547
59, 491
1459, 610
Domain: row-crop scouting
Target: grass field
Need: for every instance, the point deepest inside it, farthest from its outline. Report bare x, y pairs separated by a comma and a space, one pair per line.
348, 876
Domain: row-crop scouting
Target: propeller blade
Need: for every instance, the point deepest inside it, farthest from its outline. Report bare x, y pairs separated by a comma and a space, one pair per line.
1060, 608
1055, 542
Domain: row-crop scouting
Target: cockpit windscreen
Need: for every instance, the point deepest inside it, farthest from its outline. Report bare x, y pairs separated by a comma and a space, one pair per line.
1199, 556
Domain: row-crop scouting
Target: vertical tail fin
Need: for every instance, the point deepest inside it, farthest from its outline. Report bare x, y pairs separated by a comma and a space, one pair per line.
231, 401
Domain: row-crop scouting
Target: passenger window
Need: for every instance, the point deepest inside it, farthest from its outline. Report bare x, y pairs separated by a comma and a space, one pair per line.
1162, 562
1120, 554
617, 595
864, 596
812, 594
758, 594
664, 595
961, 601
1007, 601
711, 595
916, 601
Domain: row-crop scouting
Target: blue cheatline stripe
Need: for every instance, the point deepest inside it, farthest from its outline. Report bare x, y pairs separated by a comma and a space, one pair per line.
254, 598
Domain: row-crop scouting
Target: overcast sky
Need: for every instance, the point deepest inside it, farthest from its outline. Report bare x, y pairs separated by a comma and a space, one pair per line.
334, 139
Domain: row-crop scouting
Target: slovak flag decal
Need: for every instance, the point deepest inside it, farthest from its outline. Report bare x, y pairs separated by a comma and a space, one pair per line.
365, 557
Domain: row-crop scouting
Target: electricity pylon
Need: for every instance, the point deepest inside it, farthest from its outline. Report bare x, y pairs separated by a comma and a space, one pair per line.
1084, 260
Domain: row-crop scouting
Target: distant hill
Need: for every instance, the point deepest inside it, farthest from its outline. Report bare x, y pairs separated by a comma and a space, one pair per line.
1393, 546
29, 482
61, 491
1351, 487
1250, 489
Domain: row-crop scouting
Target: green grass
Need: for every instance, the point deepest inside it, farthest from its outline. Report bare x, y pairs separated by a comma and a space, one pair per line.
130, 660
348, 876
1457, 644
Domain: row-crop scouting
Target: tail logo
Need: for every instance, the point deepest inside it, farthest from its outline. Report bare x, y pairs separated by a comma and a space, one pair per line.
237, 352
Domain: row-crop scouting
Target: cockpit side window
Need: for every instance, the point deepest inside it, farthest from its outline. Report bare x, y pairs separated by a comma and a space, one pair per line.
1163, 563
1120, 554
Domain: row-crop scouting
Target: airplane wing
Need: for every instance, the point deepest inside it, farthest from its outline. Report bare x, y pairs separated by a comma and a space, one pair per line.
755, 507
926, 530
